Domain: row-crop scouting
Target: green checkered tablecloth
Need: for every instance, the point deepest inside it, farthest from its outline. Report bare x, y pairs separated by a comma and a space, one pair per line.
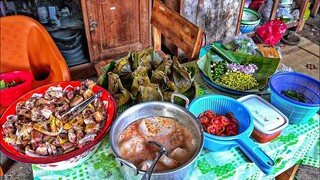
297, 144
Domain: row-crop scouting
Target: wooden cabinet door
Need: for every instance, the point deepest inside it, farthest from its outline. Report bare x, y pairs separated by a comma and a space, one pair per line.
115, 27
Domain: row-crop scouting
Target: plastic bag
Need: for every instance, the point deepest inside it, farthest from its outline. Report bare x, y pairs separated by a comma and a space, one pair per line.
296, 14
284, 68
265, 11
241, 43
284, 14
272, 32
255, 4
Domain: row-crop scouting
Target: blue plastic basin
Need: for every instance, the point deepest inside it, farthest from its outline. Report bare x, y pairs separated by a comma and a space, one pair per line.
296, 112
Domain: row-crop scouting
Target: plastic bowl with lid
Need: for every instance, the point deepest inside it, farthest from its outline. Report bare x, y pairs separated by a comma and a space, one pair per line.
268, 120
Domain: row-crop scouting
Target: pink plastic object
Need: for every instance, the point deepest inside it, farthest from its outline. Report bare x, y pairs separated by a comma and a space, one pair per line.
255, 4
8, 95
272, 32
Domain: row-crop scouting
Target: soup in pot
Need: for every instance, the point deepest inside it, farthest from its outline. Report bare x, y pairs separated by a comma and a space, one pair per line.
177, 139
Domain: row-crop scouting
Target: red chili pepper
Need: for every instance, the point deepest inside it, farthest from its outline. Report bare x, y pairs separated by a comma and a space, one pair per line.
201, 115
204, 120
234, 121
229, 115
217, 120
211, 129
225, 121
210, 114
217, 124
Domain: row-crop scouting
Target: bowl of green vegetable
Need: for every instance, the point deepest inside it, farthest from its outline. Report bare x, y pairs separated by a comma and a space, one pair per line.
296, 95
14, 84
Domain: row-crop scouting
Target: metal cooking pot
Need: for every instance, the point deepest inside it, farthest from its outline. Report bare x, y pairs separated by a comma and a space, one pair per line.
148, 109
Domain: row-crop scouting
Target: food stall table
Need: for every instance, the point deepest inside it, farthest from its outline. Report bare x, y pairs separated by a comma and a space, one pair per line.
297, 144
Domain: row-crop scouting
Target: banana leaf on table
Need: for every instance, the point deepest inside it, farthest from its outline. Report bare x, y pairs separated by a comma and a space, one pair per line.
266, 66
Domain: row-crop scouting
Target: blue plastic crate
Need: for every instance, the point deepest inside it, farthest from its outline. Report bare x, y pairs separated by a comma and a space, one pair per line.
297, 112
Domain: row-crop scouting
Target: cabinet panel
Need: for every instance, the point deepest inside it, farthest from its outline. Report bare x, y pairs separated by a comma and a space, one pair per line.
114, 27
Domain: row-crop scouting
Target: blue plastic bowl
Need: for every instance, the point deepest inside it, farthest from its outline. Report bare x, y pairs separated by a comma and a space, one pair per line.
246, 28
221, 104
297, 112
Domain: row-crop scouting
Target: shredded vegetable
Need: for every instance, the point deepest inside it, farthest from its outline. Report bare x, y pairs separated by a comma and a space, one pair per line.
237, 80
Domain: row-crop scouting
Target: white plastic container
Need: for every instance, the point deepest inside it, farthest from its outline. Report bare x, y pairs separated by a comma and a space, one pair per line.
268, 120
43, 15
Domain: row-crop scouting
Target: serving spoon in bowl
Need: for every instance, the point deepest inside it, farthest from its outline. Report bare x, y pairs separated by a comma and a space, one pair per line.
78, 108
163, 150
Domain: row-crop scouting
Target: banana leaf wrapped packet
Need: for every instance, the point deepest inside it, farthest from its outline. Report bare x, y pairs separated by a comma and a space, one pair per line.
147, 77
115, 87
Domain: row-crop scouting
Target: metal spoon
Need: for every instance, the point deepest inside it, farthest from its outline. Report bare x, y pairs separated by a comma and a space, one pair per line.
163, 150
78, 108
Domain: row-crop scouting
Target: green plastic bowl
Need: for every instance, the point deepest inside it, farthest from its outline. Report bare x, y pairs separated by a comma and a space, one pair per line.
250, 17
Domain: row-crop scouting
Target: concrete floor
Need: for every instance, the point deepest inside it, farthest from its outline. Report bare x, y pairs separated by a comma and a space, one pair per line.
20, 171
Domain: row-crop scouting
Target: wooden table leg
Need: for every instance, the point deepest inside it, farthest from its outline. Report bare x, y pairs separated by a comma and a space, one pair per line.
288, 174
1, 172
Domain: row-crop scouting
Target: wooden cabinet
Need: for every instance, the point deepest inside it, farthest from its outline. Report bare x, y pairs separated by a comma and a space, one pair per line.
115, 27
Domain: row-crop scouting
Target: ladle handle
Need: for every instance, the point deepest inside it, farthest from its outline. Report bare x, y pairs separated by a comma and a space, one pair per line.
122, 162
259, 157
147, 175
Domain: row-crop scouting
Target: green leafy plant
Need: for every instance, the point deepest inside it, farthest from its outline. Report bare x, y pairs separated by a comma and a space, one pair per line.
292, 94
4, 85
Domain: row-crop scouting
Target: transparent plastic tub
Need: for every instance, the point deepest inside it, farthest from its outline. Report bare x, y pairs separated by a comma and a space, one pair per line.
268, 120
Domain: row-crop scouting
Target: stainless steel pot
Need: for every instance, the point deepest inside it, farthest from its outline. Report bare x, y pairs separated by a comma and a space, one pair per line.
148, 109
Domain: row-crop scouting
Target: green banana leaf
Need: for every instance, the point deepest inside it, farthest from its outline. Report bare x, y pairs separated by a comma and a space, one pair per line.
266, 66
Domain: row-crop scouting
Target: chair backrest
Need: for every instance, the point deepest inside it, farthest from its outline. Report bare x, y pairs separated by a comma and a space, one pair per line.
26, 45
180, 31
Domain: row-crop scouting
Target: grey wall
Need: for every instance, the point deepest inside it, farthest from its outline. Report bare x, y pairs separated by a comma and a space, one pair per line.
218, 17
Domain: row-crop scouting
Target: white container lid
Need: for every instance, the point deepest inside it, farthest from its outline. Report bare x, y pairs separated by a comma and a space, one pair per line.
267, 118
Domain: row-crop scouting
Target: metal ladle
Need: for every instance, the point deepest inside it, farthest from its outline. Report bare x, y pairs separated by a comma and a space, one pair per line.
78, 108
163, 150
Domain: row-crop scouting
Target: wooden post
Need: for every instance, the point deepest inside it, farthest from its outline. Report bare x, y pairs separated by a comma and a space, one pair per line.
274, 10
302, 11
315, 8
240, 17
1, 172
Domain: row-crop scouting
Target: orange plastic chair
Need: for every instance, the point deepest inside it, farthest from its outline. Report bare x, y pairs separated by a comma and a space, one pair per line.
26, 45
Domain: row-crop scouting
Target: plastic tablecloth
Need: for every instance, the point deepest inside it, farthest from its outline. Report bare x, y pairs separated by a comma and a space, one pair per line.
297, 144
